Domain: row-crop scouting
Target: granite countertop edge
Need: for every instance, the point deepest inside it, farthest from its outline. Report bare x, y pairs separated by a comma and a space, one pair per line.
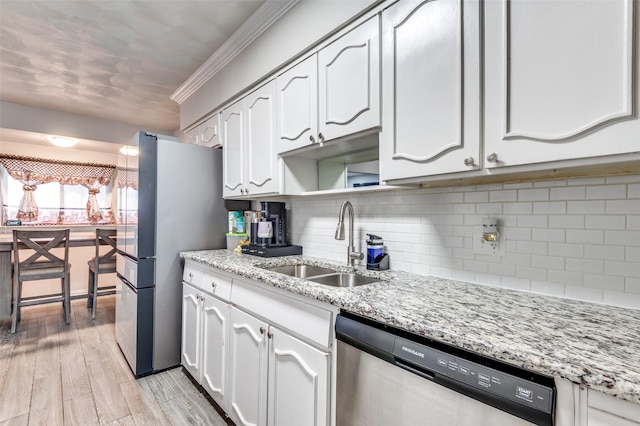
589, 344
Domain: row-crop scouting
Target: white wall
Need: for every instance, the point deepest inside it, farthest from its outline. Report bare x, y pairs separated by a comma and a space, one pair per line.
303, 26
574, 238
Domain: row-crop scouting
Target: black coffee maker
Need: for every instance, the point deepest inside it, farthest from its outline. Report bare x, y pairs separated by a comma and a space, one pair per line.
271, 241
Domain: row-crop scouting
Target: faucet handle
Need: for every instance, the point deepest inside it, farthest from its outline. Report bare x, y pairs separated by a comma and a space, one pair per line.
356, 255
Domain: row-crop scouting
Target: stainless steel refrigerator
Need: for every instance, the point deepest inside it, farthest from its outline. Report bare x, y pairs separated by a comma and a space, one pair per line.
169, 199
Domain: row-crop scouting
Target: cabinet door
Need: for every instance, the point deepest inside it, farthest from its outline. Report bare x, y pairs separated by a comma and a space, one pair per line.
260, 152
248, 369
233, 152
298, 382
297, 103
561, 80
210, 132
192, 136
431, 87
215, 321
191, 330
349, 82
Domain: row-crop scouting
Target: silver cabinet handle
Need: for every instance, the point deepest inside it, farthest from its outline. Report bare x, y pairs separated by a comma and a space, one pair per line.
262, 330
190, 276
469, 162
269, 335
492, 158
242, 191
312, 139
213, 285
320, 138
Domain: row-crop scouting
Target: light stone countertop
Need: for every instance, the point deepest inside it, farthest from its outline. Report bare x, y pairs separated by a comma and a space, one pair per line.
594, 345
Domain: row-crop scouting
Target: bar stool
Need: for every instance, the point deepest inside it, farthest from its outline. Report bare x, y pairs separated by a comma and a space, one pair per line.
104, 264
41, 265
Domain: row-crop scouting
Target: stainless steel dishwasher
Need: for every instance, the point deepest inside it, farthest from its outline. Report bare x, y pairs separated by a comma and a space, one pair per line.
387, 376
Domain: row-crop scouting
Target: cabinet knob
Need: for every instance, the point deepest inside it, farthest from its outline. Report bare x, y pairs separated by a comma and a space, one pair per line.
469, 162
492, 158
320, 138
312, 139
262, 330
190, 276
242, 191
269, 335
213, 285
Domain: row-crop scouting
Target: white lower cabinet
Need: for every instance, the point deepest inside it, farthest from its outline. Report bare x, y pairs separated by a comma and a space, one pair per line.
599, 409
204, 341
298, 382
275, 379
263, 355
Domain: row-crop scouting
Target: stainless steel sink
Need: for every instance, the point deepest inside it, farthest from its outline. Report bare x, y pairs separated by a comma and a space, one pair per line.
343, 280
322, 275
301, 271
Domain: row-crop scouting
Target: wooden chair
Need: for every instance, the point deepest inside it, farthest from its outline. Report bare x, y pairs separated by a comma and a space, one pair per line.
101, 264
40, 265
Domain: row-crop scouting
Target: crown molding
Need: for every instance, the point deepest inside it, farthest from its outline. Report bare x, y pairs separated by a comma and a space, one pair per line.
250, 30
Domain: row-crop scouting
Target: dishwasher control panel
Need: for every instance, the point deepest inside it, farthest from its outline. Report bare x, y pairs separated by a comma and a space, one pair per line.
429, 362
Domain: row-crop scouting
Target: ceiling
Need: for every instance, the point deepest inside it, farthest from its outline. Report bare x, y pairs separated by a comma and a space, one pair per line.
117, 60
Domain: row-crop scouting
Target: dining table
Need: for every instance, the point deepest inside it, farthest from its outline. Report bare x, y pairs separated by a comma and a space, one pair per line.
83, 238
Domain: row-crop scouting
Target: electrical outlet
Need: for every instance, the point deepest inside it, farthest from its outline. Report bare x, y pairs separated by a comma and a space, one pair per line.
489, 248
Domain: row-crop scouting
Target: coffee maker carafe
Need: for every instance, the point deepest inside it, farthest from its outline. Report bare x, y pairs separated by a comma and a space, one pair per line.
269, 233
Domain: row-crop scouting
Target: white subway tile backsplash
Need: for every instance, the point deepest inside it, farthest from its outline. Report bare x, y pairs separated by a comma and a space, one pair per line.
606, 192
632, 285
550, 207
584, 293
566, 221
568, 193
532, 221
541, 234
625, 300
605, 282
622, 238
604, 252
623, 269
575, 238
585, 236
605, 222
517, 208
499, 196
566, 250
539, 194
586, 207
623, 207
589, 266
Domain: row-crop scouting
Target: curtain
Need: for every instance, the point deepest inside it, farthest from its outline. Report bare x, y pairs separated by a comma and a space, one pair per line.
32, 171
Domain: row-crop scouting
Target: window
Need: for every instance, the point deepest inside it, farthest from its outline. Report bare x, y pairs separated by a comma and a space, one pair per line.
47, 192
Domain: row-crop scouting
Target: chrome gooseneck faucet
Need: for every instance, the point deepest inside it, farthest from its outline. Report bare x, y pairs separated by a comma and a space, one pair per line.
352, 255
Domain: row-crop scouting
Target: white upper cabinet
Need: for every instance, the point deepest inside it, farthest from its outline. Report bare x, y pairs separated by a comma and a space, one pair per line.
207, 134
298, 105
233, 152
561, 80
431, 88
349, 82
250, 161
333, 93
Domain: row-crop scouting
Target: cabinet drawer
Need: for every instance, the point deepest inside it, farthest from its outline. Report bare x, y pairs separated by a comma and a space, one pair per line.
193, 275
217, 284
312, 323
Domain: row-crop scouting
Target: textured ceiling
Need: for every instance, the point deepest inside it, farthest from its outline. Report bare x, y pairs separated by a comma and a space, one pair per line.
112, 59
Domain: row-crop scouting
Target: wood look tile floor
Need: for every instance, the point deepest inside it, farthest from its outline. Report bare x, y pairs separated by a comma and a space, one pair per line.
52, 373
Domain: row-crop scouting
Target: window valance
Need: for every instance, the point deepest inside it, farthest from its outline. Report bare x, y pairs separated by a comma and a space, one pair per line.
64, 172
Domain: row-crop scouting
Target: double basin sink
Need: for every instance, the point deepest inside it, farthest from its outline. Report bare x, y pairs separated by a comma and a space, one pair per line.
322, 275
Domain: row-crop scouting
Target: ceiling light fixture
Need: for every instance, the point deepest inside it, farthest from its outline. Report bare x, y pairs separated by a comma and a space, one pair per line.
129, 150
62, 141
